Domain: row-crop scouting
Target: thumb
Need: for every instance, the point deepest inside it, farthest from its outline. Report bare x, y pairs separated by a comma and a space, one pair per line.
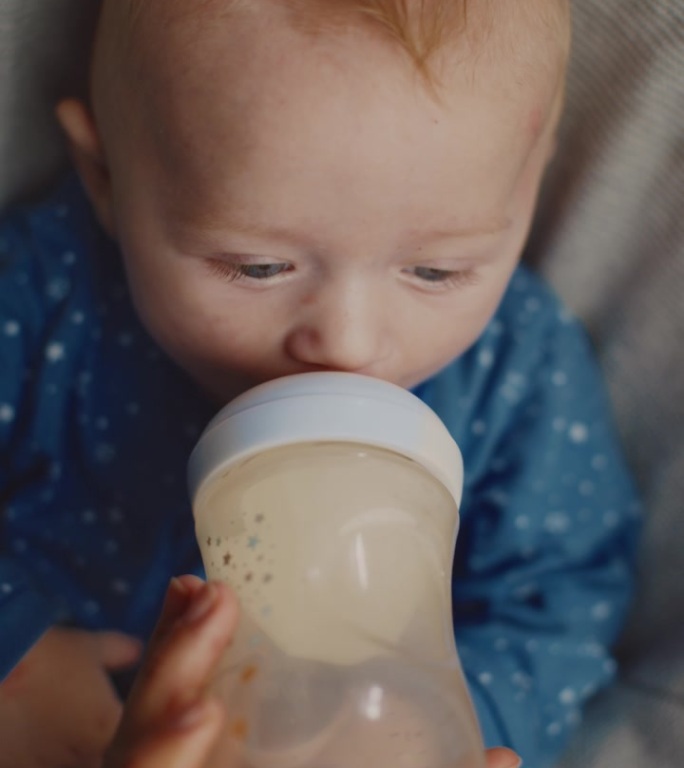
500, 757
183, 742
117, 650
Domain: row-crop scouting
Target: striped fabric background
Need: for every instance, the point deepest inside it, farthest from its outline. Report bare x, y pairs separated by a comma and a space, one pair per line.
609, 236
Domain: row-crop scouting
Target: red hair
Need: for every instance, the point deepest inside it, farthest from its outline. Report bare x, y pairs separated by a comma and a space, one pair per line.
420, 27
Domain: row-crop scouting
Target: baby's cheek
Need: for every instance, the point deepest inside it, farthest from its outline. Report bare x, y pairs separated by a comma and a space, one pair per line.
535, 123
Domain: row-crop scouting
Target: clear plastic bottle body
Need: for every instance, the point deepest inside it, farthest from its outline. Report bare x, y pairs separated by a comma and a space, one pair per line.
341, 556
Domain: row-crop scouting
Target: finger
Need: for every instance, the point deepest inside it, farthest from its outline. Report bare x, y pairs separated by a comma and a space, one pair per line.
184, 742
181, 660
500, 757
178, 595
117, 650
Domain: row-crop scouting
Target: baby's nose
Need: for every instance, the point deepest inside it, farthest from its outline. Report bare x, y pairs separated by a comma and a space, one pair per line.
341, 334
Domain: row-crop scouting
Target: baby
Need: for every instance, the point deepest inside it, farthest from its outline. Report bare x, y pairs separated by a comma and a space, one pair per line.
267, 188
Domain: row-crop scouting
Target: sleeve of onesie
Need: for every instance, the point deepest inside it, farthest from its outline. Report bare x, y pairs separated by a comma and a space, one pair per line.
27, 607
545, 556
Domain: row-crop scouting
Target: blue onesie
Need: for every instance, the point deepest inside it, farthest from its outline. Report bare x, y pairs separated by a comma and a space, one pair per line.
96, 427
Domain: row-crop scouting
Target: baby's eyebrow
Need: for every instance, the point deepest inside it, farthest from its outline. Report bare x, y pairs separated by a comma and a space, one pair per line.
253, 228
491, 227
230, 224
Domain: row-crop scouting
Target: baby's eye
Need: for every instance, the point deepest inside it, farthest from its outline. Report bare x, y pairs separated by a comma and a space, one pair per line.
444, 277
262, 271
431, 275
251, 271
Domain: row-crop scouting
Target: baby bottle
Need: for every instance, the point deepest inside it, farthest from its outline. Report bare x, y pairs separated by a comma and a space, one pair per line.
329, 502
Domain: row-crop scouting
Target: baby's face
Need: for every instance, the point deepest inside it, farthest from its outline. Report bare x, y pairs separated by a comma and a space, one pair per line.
286, 204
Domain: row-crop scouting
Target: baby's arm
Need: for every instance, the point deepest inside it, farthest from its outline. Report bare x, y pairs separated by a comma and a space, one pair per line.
545, 559
57, 704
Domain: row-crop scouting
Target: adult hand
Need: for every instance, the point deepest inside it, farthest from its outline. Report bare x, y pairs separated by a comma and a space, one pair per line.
170, 719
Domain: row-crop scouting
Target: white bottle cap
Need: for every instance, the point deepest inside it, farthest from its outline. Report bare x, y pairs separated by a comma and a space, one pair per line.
329, 407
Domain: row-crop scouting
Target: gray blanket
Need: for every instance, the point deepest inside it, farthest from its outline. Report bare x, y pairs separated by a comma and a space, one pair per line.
609, 236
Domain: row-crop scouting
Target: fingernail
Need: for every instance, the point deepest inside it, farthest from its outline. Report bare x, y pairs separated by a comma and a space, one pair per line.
190, 717
175, 598
201, 604
177, 586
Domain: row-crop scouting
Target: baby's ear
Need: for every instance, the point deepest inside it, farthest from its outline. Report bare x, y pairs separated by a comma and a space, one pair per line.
89, 158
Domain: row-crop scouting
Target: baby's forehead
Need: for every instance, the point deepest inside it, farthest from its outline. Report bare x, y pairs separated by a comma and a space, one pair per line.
176, 62
197, 104
419, 28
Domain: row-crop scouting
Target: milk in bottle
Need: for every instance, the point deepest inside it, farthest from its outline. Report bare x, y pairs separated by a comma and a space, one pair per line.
329, 502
